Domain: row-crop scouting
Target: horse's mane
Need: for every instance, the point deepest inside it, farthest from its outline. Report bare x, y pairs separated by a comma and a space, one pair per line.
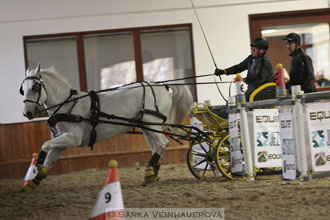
51, 72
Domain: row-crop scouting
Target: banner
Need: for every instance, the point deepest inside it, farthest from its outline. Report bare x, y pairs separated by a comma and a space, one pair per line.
288, 151
318, 116
266, 138
197, 148
236, 156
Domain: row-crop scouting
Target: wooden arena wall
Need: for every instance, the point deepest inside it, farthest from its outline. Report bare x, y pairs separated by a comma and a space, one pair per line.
19, 141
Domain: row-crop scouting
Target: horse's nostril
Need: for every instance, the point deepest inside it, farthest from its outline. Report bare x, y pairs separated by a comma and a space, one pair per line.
28, 114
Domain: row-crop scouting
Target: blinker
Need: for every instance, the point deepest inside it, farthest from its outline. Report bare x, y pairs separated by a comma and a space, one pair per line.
21, 91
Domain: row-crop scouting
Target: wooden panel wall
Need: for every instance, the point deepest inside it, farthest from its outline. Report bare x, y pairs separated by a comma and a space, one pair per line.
279, 53
19, 141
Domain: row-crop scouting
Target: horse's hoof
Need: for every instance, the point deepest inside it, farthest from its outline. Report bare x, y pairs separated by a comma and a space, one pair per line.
26, 189
149, 180
149, 176
42, 174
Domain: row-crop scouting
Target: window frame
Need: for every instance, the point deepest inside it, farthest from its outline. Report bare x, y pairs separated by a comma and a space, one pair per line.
79, 36
258, 21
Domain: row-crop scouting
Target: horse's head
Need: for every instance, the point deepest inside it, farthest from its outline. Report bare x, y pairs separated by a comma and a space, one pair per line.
34, 92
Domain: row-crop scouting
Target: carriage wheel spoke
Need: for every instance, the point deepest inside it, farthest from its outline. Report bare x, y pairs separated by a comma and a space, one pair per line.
202, 147
205, 169
213, 170
196, 153
200, 162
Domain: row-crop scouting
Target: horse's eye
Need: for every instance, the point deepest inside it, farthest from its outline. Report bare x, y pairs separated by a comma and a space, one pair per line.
36, 87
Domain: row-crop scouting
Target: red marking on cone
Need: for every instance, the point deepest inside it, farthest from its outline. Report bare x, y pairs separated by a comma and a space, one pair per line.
280, 83
109, 204
31, 172
279, 76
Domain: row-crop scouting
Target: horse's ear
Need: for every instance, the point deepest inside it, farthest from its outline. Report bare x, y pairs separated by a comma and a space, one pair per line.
37, 70
27, 72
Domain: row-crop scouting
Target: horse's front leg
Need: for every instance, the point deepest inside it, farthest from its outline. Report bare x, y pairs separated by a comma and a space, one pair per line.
49, 154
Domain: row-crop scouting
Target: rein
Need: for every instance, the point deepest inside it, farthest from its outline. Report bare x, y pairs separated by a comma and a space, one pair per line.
138, 86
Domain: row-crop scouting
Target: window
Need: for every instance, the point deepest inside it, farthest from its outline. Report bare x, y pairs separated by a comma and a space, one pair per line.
103, 59
311, 25
109, 59
170, 62
59, 52
314, 41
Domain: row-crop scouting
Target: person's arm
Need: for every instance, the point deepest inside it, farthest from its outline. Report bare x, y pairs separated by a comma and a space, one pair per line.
238, 67
296, 71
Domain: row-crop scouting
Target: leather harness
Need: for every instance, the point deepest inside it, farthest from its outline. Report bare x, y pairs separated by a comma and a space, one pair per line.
95, 114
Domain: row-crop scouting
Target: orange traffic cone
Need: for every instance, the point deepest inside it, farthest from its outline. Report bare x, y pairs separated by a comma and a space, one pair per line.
109, 204
30, 174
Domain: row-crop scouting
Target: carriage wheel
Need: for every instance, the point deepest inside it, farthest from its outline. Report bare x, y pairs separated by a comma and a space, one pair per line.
223, 156
201, 159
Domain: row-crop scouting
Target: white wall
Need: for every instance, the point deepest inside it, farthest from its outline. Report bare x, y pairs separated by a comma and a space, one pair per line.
225, 23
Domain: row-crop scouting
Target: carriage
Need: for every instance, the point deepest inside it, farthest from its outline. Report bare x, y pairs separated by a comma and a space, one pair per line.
79, 119
211, 157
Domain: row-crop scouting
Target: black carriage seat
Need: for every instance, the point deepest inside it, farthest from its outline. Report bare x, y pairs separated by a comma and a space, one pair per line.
263, 92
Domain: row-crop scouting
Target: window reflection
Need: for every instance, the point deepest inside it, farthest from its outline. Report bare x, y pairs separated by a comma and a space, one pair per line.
159, 69
117, 75
166, 54
111, 56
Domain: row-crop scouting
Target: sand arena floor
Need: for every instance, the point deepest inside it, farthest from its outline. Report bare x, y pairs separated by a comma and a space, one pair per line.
73, 195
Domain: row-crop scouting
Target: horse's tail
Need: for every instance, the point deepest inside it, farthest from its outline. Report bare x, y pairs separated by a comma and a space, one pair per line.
182, 101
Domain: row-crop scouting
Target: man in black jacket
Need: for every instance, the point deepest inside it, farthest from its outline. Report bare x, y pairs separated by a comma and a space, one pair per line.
301, 70
258, 65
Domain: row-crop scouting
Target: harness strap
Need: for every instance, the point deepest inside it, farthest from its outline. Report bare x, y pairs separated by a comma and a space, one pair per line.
94, 114
134, 120
156, 113
153, 94
52, 121
196, 133
72, 93
148, 111
94, 117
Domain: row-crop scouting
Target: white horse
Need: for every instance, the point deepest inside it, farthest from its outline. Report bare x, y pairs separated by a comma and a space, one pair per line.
47, 88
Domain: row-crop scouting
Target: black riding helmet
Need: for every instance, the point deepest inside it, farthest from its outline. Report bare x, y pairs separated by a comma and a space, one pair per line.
292, 37
260, 43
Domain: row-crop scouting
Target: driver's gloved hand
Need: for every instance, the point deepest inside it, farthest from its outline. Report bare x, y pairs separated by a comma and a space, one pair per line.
219, 72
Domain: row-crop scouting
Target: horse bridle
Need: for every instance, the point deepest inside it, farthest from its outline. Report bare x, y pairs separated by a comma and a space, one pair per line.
36, 87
